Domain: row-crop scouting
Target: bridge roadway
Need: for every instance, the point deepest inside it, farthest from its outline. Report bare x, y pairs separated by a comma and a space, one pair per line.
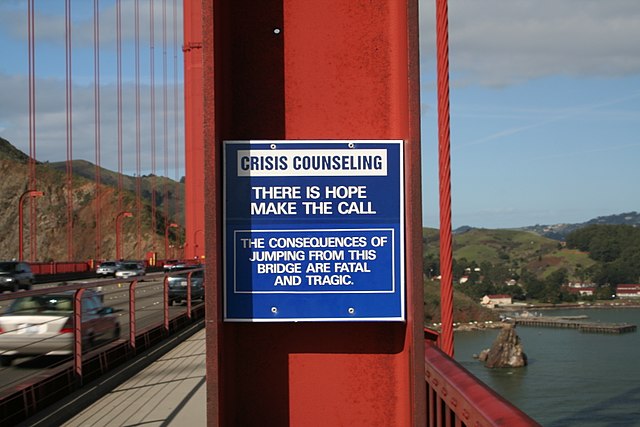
149, 304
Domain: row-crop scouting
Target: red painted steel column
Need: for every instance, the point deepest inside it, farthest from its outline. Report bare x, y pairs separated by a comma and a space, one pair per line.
132, 314
303, 70
77, 333
189, 294
194, 142
165, 299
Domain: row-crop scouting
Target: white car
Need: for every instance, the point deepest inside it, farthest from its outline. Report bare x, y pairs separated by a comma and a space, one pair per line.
43, 325
108, 268
130, 269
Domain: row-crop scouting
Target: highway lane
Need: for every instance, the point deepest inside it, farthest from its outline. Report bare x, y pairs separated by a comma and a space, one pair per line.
149, 311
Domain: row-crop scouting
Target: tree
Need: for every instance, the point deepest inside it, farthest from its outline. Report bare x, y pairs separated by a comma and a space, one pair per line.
533, 286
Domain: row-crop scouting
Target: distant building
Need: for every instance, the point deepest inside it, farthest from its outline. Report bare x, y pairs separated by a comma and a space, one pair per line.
493, 301
582, 291
628, 291
581, 285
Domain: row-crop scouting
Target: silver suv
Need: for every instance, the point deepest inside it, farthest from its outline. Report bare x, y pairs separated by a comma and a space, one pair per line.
109, 268
15, 275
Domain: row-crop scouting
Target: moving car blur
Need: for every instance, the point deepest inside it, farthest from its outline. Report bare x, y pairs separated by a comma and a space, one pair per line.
178, 285
15, 275
43, 325
131, 269
108, 268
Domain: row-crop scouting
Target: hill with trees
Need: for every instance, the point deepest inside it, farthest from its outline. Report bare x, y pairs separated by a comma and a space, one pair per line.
531, 267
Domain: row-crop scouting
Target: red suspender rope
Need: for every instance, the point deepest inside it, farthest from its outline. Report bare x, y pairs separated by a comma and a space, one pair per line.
176, 123
138, 168
165, 123
96, 90
32, 127
152, 92
69, 104
119, 108
446, 256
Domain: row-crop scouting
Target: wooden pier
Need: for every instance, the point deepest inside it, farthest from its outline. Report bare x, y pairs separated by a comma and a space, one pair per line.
581, 325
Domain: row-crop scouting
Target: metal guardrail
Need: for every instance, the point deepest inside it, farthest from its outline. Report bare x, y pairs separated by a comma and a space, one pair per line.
60, 267
455, 397
24, 400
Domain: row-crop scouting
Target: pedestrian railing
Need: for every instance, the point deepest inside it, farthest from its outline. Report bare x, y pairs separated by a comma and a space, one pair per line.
455, 397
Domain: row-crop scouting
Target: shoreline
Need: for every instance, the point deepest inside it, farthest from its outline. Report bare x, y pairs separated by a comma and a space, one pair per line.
583, 305
498, 324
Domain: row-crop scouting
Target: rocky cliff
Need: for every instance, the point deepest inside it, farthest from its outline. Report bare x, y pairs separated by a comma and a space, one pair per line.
53, 214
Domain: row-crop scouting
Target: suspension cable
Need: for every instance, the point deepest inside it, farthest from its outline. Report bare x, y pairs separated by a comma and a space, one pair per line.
444, 135
176, 105
165, 128
69, 105
32, 128
119, 101
96, 89
138, 169
152, 91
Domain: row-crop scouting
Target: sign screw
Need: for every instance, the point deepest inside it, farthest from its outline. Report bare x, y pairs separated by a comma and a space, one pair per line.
274, 310
351, 310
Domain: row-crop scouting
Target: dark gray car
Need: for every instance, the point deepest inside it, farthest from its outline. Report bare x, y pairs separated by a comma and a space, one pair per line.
178, 287
15, 275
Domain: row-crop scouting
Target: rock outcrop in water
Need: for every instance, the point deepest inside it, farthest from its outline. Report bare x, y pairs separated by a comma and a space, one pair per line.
506, 351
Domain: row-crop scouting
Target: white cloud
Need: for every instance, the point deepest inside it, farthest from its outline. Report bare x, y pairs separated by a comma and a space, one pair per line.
50, 120
498, 42
50, 95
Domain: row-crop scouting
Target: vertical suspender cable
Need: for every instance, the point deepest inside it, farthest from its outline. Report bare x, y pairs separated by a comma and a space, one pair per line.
165, 128
96, 89
69, 104
119, 101
176, 100
446, 255
152, 92
138, 177
32, 127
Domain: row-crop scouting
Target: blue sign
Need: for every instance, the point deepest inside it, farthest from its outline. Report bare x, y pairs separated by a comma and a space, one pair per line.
314, 231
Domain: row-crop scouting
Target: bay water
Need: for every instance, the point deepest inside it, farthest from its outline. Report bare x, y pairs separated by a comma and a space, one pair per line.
573, 378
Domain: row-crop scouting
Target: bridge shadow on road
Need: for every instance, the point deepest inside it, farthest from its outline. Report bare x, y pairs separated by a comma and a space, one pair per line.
162, 387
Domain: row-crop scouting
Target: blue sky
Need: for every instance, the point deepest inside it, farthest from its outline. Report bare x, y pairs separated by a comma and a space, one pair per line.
545, 111
545, 102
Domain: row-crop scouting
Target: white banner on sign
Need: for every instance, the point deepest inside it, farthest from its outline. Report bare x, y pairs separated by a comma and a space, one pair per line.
313, 162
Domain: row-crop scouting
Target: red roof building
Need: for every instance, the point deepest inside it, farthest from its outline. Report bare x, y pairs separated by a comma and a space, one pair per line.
628, 291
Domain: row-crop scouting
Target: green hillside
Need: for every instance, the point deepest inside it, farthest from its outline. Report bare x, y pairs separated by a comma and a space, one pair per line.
465, 309
160, 185
512, 249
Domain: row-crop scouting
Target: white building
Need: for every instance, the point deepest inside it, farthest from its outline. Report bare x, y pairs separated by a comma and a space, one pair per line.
492, 301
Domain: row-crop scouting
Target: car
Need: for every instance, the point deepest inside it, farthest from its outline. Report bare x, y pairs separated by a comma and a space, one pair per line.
174, 265
15, 275
130, 269
177, 285
108, 268
43, 325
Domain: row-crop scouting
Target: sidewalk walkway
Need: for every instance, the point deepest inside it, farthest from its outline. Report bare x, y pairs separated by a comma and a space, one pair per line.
169, 392
164, 386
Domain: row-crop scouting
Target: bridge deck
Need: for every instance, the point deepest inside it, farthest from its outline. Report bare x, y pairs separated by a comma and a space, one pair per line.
164, 386
171, 391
